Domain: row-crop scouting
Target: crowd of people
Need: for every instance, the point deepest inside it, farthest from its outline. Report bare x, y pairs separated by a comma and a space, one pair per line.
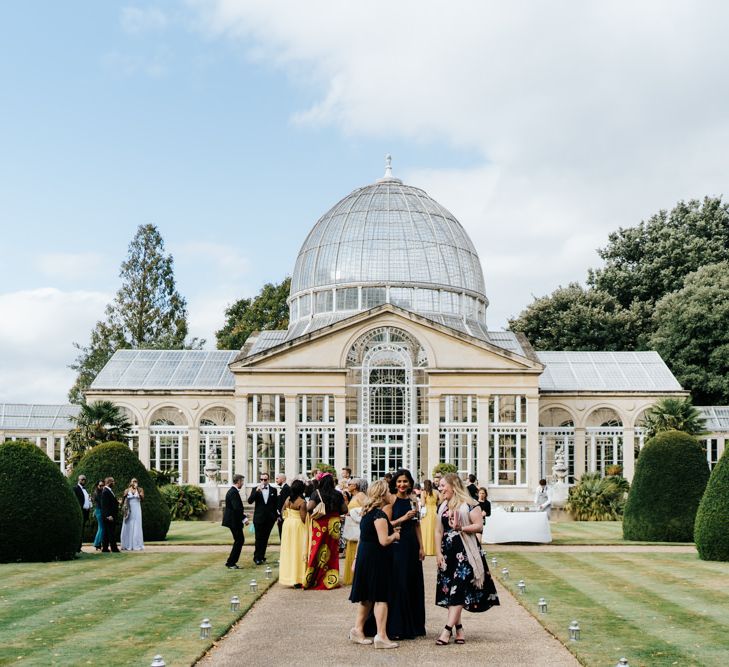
106, 508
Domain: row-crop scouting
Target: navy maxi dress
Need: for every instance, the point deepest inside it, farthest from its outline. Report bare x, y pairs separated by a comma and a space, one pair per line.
373, 566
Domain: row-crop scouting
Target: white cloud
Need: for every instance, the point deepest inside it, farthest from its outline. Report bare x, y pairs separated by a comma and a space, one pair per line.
138, 20
70, 265
37, 329
586, 115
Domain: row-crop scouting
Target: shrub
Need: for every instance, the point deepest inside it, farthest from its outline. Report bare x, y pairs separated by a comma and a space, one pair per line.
614, 471
163, 477
445, 468
597, 498
186, 502
670, 477
115, 459
711, 530
40, 518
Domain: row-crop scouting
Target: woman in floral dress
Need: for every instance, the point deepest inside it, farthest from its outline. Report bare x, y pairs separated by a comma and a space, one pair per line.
464, 580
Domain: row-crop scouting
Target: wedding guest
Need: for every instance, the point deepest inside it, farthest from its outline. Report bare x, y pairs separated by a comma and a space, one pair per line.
373, 570
429, 500
357, 488
84, 501
132, 535
265, 509
283, 492
326, 508
293, 538
109, 512
464, 580
483, 502
543, 497
472, 488
97, 513
234, 518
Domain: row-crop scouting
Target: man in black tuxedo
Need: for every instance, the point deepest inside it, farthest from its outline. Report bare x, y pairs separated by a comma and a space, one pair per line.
234, 518
284, 491
109, 512
82, 495
265, 509
472, 488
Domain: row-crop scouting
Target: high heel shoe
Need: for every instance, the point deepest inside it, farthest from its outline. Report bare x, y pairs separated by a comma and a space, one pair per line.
381, 643
462, 639
440, 642
357, 637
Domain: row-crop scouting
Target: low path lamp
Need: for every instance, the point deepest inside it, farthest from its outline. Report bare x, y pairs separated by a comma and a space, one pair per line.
235, 603
158, 662
574, 630
623, 662
521, 586
205, 627
253, 585
542, 604
505, 573
268, 572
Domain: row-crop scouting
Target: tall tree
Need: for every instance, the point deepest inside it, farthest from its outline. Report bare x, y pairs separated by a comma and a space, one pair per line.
575, 318
267, 310
147, 311
692, 333
674, 414
98, 422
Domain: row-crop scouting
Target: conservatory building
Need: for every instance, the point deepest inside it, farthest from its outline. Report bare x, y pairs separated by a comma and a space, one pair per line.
387, 362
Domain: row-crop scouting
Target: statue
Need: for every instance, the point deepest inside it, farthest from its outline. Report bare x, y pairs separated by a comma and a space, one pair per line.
560, 489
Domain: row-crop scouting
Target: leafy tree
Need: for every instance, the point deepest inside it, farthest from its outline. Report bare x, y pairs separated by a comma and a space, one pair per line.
575, 318
266, 311
678, 414
147, 311
444, 468
692, 333
101, 421
712, 518
598, 498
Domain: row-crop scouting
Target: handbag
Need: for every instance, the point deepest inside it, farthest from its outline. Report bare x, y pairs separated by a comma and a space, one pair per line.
350, 531
125, 509
320, 510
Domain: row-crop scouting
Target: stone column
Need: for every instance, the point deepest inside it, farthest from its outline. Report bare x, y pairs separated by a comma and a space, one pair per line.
240, 410
193, 455
144, 446
628, 453
579, 452
532, 448
340, 435
484, 445
292, 449
50, 441
433, 434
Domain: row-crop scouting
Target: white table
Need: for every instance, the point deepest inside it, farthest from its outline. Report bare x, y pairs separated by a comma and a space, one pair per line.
503, 526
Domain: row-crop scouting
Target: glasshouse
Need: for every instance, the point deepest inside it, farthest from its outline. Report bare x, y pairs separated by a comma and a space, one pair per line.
387, 362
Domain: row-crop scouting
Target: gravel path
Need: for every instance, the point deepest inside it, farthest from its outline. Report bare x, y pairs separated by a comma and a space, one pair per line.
310, 628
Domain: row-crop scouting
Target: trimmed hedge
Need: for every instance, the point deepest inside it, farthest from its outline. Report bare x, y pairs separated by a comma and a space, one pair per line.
115, 459
711, 531
186, 501
40, 518
670, 477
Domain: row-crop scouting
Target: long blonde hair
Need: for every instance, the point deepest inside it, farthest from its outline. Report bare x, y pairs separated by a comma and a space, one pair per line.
460, 495
376, 496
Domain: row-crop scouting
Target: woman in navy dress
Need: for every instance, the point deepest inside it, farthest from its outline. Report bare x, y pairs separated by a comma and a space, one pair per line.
373, 567
464, 580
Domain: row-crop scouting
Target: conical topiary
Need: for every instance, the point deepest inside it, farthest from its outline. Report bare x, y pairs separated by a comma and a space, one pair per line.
40, 518
115, 459
711, 531
670, 477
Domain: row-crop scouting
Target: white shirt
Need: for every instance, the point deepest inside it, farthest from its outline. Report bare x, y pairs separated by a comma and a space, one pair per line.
87, 499
264, 492
543, 496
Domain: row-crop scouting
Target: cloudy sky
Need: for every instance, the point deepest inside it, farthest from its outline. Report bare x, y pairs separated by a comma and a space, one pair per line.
234, 125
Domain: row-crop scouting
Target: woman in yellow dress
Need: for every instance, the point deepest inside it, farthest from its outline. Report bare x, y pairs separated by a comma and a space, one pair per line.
429, 497
357, 488
294, 536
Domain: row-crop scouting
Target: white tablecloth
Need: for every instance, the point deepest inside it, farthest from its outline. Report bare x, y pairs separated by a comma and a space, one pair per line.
503, 526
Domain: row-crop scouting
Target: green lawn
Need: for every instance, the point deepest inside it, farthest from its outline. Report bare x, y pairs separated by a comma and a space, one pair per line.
654, 609
119, 609
591, 532
207, 533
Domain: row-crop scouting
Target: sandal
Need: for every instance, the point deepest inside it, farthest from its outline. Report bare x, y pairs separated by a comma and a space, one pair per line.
459, 641
440, 642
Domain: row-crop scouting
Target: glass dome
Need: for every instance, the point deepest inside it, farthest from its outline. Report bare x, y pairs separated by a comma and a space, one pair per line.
387, 243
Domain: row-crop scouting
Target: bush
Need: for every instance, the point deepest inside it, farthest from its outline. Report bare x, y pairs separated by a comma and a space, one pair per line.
115, 459
445, 468
597, 498
711, 530
186, 502
40, 518
670, 477
164, 477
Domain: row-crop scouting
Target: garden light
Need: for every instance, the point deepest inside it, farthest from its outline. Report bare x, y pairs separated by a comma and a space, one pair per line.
235, 603
205, 627
542, 604
269, 572
521, 586
494, 561
623, 662
505, 573
158, 662
254, 585
574, 631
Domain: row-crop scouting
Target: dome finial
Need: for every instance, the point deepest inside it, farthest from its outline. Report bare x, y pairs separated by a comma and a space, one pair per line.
388, 166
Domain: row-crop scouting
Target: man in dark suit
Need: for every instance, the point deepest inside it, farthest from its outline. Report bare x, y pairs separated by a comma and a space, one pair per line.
284, 491
472, 488
109, 511
234, 518
265, 509
84, 501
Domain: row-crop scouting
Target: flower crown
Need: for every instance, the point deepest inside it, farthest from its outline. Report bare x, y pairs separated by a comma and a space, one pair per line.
321, 475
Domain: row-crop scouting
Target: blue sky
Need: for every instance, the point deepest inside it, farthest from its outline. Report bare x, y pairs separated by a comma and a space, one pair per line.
233, 126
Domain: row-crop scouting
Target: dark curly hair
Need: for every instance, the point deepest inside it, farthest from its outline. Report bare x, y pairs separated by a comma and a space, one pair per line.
402, 472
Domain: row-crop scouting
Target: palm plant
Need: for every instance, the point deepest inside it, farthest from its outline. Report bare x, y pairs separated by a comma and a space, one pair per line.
101, 421
677, 414
598, 498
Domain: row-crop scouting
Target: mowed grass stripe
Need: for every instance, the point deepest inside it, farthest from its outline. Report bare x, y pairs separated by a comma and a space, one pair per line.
609, 636
655, 615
